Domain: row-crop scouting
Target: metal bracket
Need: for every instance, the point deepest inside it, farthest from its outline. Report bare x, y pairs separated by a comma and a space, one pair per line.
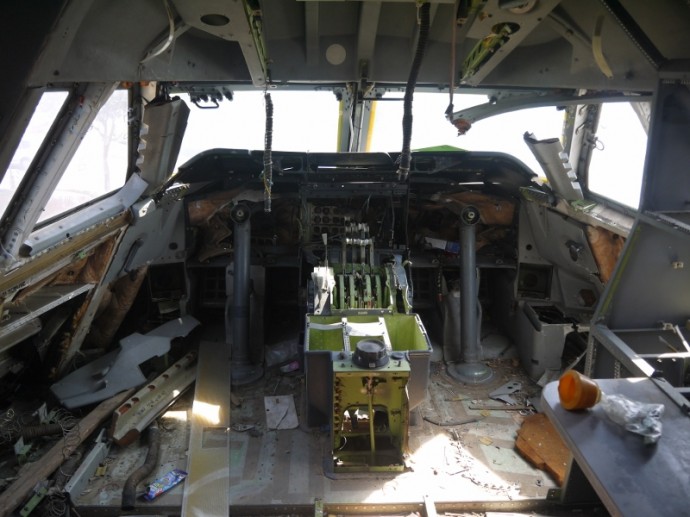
503, 393
132, 417
429, 507
89, 464
523, 101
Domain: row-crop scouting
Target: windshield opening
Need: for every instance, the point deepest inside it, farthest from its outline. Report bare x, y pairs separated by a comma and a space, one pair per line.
308, 122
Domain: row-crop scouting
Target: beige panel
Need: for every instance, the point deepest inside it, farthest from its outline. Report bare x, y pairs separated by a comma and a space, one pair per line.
207, 485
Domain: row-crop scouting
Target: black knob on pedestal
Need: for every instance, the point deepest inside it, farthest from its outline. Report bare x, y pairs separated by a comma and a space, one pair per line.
370, 353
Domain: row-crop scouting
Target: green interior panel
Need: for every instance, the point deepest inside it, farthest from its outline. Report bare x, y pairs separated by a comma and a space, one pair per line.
405, 331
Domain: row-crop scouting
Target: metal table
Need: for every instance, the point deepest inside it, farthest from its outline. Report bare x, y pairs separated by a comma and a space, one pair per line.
629, 477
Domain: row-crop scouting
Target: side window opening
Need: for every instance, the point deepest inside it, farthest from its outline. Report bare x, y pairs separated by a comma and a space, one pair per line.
43, 117
100, 164
617, 160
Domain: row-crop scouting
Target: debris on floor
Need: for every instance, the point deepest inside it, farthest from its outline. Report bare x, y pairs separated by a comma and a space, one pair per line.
280, 412
539, 443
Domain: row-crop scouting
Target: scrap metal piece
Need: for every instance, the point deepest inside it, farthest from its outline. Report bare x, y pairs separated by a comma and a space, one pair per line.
34, 306
280, 412
40, 492
119, 370
429, 507
502, 408
506, 389
506, 398
240, 428
450, 423
19, 334
503, 393
88, 467
135, 415
34, 472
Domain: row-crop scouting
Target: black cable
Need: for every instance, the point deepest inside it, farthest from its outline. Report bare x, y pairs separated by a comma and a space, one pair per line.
453, 42
268, 158
405, 156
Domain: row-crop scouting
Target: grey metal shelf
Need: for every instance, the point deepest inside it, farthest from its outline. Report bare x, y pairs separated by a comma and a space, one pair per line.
39, 303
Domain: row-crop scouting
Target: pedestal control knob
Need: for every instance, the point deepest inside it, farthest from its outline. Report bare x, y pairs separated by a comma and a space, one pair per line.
370, 353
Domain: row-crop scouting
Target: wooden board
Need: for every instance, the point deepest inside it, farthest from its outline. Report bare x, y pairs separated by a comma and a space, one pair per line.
39, 470
540, 444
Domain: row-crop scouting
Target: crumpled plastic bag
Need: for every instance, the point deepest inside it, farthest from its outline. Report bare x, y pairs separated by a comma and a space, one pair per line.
636, 417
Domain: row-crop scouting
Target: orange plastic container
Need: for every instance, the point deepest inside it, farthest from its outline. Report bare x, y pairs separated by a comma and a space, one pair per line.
577, 391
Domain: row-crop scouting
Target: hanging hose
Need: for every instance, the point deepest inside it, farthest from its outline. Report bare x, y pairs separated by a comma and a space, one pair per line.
268, 159
129, 492
405, 155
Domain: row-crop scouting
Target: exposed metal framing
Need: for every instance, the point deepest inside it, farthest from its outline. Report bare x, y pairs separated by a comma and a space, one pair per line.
369, 13
61, 255
16, 129
311, 33
90, 307
319, 507
52, 159
634, 32
60, 41
243, 26
537, 100
355, 118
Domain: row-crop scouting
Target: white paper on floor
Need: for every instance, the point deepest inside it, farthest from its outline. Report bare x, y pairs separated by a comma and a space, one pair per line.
280, 412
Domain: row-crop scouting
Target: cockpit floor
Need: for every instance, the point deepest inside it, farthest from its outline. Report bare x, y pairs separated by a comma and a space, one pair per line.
461, 468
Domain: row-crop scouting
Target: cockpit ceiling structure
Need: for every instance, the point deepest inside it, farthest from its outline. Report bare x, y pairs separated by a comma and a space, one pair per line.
607, 44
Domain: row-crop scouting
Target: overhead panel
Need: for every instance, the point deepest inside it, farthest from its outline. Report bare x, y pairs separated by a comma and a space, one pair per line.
666, 24
311, 33
498, 31
366, 37
233, 21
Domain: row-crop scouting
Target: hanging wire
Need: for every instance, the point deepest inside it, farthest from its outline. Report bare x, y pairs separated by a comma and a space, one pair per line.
10, 427
70, 431
171, 35
405, 155
453, 42
55, 504
268, 160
